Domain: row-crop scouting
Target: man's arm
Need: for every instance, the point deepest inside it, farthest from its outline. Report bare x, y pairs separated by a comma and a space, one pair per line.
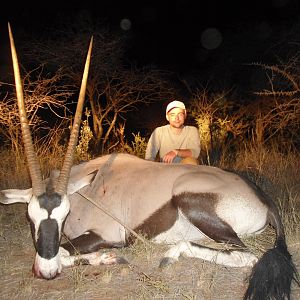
193, 149
152, 146
182, 153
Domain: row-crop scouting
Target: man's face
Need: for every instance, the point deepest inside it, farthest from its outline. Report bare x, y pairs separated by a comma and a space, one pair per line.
176, 117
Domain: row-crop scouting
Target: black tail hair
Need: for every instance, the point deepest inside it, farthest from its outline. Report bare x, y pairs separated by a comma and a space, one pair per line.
272, 276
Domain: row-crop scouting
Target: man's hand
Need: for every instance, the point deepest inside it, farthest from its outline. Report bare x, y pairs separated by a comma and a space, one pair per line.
170, 156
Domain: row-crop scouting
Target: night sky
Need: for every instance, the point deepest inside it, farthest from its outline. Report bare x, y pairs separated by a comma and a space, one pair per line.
182, 35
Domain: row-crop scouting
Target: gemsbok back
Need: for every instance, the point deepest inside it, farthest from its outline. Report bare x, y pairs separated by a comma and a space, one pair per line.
104, 202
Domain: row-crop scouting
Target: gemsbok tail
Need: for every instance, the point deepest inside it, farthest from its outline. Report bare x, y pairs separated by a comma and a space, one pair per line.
272, 275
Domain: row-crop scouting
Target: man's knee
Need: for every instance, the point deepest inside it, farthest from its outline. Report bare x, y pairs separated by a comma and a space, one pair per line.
190, 161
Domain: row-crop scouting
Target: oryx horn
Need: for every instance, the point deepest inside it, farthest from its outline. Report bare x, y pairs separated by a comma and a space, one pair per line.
62, 183
38, 187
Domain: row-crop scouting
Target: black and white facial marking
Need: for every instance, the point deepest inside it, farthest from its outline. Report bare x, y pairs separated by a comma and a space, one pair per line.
47, 214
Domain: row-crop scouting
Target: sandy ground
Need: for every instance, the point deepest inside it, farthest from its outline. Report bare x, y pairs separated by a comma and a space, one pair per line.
141, 279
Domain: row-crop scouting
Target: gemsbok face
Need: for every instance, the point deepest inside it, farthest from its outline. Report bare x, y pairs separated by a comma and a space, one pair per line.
47, 214
48, 205
107, 201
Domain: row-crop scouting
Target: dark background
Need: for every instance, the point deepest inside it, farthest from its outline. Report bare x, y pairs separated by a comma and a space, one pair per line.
171, 34
209, 41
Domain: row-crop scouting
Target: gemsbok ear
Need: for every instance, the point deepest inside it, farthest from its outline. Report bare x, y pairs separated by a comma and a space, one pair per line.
11, 196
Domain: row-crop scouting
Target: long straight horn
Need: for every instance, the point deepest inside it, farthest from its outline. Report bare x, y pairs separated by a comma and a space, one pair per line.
38, 187
62, 183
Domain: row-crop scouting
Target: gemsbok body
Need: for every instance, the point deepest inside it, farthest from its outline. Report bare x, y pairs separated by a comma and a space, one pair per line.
105, 202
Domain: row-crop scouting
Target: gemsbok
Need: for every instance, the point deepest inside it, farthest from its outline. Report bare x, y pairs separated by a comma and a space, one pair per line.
105, 202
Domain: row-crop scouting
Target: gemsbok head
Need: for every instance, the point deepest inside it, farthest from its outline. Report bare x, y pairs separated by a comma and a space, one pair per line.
49, 205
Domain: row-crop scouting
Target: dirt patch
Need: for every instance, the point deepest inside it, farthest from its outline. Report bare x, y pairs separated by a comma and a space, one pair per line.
141, 279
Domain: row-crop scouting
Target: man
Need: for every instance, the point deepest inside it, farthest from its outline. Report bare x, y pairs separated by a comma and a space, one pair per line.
174, 142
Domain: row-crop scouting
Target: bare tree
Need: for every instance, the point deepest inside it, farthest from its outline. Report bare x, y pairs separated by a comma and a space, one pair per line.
220, 121
115, 87
277, 113
121, 93
43, 96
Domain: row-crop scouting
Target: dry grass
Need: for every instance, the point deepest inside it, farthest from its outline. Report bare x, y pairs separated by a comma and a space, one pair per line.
13, 171
142, 279
278, 175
